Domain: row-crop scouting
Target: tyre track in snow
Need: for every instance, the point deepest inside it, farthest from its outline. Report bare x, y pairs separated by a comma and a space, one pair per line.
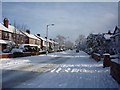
11, 78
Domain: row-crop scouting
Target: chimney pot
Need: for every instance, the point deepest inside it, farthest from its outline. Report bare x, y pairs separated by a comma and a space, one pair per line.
28, 31
38, 35
6, 22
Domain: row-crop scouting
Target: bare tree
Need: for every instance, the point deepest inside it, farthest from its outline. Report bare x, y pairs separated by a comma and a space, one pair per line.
68, 45
61, 40
80, 42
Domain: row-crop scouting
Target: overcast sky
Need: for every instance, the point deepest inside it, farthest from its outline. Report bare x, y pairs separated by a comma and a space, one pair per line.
71, 19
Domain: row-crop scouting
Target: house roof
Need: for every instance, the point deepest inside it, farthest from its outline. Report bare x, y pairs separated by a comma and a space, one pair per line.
40, 37
107, 36
12, 28
56, 42
51, 41
115, 35
3, 28
116, 28
30, 35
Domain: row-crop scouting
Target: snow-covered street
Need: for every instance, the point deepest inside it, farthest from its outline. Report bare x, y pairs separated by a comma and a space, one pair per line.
66, 69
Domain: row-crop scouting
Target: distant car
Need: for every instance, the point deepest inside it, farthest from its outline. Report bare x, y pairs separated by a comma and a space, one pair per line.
77, 51
61, 49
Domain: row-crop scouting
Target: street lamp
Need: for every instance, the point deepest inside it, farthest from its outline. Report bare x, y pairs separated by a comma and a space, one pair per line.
47, 37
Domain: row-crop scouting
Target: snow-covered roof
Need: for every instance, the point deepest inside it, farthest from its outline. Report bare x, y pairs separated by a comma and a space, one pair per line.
40, 38
115, 35
106, 54
56, 42
43, 38
3, 28
107, 36
30, 35
50, 41
12, 28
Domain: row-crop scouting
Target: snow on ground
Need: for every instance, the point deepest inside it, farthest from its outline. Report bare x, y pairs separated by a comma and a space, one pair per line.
9, 63
79, 71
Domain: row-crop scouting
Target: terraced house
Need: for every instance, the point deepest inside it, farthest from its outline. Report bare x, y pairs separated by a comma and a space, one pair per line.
5, 37
30, 38
9, 35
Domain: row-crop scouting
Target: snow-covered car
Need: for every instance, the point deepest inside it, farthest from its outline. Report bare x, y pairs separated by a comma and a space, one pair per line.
16, 50
6, 50
61, 49
26, 48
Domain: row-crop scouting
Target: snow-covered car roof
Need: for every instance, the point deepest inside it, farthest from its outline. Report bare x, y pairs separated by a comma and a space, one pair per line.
50, 41
22, 45
107, 36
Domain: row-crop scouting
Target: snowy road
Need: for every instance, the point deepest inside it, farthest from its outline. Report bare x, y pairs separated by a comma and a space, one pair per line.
57, 70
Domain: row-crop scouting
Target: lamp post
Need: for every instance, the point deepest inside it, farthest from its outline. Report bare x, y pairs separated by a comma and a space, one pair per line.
47, 37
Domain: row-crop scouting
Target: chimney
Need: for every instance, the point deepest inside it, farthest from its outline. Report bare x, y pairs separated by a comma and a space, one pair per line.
6, 22
28, 31
109, 32
38, 35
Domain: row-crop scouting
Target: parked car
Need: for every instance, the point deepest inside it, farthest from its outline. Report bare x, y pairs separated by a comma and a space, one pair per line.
16, 50
61, 49
26, 48
6, 50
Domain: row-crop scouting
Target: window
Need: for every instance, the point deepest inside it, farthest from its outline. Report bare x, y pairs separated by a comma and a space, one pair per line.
10, 36
0, 34
5, 35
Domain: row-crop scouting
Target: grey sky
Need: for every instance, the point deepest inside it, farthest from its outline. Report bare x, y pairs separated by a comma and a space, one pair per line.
60, 0
70, 18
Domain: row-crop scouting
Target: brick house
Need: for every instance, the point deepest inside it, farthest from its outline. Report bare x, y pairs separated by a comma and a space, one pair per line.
43, 41
30, 38
17, 36
108, 43
116, 40
9, 34
5, 37
115, 63
53, 46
